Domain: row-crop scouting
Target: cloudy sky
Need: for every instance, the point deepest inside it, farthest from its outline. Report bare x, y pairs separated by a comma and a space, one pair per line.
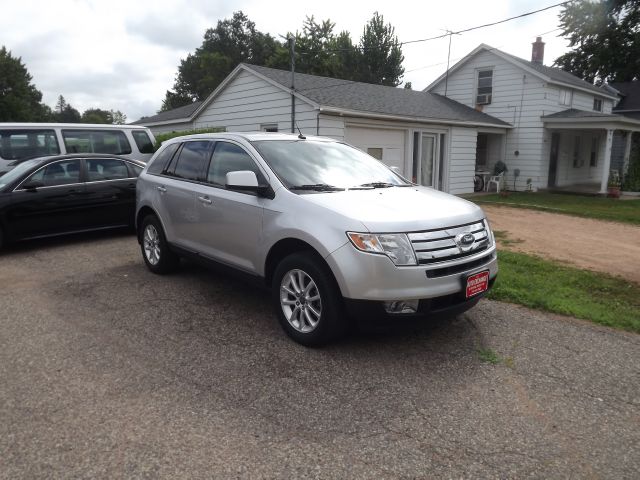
123, 55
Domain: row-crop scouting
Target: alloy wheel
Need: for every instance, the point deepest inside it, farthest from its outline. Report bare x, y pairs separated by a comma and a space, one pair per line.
300, 301
151, 243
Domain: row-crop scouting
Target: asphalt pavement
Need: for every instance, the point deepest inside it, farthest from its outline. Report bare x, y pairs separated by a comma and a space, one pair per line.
109, 371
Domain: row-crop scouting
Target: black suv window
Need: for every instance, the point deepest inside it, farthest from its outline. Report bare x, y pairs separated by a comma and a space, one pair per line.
106, 169
228, 157
160, 163
191, 160
142, 141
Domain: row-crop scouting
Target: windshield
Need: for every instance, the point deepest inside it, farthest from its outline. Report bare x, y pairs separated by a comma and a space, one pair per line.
16, 172
332, 165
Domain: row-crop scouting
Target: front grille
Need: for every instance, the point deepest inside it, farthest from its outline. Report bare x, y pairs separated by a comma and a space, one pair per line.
461, 267
434, 246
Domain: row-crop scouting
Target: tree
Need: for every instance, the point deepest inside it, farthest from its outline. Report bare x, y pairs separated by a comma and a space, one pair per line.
61, 105
117, 117
174, 100
408, 86
605, 37
382, 58
96, 115
65, 113
20, 100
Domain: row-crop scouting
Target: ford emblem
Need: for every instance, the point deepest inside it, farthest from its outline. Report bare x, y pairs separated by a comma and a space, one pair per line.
465, 241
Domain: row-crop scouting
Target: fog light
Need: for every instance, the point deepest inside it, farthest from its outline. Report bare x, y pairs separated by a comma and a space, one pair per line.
401, 306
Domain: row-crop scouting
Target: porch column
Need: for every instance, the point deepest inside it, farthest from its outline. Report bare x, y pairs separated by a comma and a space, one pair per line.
627, 152
606, 165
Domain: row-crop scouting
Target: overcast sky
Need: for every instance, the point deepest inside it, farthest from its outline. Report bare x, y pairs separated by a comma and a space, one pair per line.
124, 55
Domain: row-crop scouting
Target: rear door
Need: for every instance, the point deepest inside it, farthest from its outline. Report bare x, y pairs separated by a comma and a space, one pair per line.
50, 201
110, 192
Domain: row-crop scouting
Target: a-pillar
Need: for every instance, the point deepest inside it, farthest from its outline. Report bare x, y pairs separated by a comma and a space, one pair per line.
606, 166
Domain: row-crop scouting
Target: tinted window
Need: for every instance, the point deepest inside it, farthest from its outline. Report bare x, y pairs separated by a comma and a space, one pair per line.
96, 141
17, 144
106, 169
228, 157
191, 160
58, 173
135, 170
161, 161
142, 141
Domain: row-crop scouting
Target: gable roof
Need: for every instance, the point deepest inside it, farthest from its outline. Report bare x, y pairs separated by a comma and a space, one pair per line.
548, 74
184, 112
630, 92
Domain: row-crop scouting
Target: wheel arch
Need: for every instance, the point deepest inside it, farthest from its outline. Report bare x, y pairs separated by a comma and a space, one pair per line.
143, 212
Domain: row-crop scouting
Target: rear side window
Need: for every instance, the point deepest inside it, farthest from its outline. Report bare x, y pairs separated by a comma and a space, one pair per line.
142, 141
96, 141
160, 162
18, 144
229, 157
106, 169
192, 159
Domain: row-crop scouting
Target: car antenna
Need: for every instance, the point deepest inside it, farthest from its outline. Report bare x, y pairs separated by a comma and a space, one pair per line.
301, 136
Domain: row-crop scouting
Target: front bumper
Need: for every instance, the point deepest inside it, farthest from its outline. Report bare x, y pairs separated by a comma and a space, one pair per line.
367, 276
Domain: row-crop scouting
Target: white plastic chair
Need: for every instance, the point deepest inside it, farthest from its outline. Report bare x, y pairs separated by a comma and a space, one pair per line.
495, 179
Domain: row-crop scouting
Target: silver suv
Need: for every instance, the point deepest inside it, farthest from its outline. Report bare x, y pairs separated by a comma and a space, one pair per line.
332, 231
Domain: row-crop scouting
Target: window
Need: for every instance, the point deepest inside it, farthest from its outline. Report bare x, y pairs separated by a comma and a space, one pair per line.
142, 141
485, 87
565, 97
270, 127
375, 152
96, 141
135, 170
593, 159
58, 173
18, 144
162, 160
577, 161
481, 150
192, 159
106, 169
228, 157
597, 104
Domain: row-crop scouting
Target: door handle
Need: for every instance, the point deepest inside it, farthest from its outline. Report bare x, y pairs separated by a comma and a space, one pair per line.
206, 200
162, 189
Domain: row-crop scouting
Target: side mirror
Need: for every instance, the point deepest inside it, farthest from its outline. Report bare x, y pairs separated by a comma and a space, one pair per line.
246, 181
32, 186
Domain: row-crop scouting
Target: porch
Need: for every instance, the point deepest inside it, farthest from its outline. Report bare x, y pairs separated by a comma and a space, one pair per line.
587, 149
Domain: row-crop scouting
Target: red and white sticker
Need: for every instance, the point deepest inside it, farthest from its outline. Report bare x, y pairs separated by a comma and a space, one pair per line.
477, 283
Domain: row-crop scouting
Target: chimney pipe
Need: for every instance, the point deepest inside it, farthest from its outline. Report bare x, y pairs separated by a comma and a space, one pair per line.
537, 51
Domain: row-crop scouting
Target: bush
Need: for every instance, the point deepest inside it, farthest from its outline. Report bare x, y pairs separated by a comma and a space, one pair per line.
162, 137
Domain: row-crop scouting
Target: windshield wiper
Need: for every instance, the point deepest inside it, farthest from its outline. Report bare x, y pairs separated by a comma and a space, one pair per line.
374, 185
318, 187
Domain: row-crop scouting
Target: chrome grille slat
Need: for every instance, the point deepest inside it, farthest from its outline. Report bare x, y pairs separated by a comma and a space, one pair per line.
436, 246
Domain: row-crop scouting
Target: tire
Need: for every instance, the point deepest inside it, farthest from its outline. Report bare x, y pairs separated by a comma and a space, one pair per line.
155, 250
478, 183
311, 314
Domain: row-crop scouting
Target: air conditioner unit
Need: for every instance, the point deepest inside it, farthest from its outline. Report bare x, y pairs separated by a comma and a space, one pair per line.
484, 99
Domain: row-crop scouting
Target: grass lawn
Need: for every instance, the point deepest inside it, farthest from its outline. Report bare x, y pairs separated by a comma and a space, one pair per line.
627, 211
546, 285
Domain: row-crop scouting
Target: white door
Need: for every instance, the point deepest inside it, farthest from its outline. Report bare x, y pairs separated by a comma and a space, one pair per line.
384, 144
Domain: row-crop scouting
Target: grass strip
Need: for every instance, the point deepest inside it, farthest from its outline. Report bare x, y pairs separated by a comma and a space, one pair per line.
546, 285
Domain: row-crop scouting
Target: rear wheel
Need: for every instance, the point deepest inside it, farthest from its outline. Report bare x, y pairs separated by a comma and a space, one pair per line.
155, 250
307, 300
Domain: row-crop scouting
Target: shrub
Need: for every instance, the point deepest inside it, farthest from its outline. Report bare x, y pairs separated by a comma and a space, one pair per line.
162, 137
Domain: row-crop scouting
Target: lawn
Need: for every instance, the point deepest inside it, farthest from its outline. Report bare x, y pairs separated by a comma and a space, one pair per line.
627, 211
545, 285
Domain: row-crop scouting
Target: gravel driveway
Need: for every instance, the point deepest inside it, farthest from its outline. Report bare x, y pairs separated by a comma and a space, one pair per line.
609, 247
107, 371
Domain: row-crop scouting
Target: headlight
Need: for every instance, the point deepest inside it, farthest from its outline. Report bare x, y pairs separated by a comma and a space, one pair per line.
492, 239
396, 246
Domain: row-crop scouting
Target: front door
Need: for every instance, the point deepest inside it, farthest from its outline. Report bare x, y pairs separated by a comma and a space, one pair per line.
424, 159
553, 159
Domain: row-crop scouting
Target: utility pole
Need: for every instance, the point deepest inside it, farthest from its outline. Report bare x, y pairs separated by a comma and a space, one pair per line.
292, 51
446, 78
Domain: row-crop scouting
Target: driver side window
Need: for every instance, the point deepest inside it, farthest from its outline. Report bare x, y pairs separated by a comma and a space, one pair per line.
228, 157
54, 174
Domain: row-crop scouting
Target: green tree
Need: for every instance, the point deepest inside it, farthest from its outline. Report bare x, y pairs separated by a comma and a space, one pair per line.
96, 115
381, 60
605, 37
65, 113
117, 117
174, 100
20, 100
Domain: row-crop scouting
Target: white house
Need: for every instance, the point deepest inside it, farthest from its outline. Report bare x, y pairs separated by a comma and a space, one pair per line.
432, 139
563, 126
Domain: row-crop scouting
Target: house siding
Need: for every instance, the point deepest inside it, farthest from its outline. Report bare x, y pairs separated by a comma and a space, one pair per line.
248, 102
462, 159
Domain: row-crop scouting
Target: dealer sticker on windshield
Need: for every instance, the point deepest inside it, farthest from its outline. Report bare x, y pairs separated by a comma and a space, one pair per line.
477, 283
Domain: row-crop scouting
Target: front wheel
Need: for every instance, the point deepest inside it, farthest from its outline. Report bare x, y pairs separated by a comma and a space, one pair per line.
307, 300
155, 250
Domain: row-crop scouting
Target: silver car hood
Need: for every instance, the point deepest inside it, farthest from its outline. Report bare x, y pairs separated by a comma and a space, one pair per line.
399, 209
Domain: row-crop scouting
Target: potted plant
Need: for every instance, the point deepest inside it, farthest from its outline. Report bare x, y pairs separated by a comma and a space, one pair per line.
613, 185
